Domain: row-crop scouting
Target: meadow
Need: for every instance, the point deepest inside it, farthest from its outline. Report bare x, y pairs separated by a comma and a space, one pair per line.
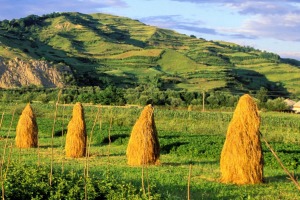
191, 142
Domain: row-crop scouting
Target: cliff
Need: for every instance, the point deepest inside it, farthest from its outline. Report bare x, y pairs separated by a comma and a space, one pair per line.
17, 73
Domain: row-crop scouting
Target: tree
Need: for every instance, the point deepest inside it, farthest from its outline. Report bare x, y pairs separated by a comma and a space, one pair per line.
277, 104
188, 97
262, 95
112, 96
28, 97
43, 98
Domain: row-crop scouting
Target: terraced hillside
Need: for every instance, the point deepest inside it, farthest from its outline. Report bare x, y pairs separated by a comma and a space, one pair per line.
103, 50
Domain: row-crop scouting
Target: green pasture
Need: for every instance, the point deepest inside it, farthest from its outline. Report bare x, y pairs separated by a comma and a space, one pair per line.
191, 143
146, 52
201, 84
277, 74
174, 62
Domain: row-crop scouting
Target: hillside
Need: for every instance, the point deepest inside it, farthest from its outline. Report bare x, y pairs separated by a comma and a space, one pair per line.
102, 50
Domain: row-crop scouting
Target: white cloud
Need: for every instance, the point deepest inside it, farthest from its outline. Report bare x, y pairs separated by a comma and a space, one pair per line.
261, 7
290, 54
282, 27
177, 22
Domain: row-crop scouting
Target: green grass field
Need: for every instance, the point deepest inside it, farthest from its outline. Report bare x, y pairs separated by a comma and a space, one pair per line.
191, 143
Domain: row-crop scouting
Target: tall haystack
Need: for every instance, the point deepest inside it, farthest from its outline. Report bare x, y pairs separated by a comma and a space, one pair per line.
27, 129
76, 135
143, 147
241, 158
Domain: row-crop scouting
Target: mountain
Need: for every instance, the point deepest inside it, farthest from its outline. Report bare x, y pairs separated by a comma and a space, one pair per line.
101, 50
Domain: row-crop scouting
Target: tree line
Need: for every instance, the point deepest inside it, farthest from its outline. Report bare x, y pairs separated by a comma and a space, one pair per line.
141, 95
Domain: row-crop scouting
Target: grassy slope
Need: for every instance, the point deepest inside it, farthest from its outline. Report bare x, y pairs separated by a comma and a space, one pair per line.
193, 76
127, 51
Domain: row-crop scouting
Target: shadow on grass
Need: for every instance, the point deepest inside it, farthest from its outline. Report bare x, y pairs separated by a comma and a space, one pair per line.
171, 147
106, 154
60, 133
278, 178
288, 151
189, 163
252, 80
169, 136
114, 138
49, 146
4, 137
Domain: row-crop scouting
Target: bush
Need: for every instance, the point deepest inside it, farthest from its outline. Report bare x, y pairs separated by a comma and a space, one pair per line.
43, 98
27, 98
277, 104
27, 182
175, 102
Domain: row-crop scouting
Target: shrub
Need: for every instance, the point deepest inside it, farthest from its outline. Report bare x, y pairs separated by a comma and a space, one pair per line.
43, 98
277, 104
27, 182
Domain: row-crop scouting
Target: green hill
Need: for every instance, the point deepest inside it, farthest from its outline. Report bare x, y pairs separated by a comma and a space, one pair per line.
107, 50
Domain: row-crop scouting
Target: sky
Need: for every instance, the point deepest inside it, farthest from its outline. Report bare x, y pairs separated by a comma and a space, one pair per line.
268, 25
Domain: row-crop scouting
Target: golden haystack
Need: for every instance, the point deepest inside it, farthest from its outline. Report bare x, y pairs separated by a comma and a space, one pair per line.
241, 158
76, 135
27, 129
143, 147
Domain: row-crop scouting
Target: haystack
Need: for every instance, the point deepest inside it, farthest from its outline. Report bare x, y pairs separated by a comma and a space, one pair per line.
27, 129
143, 147
241, 158
76, 134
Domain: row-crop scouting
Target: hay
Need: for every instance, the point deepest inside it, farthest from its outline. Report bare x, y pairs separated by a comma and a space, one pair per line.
143, 147
76, 134
241, 158
27, 129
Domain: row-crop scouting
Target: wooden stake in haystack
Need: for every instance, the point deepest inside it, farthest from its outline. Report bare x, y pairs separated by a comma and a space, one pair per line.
76, 135
241, 158
143, 147
27, 129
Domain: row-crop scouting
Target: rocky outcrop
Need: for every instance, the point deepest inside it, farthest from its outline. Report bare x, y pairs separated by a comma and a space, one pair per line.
18, 73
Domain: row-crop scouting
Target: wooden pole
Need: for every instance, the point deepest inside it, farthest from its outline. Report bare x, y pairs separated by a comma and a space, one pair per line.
52, 138
203, 101
189, 183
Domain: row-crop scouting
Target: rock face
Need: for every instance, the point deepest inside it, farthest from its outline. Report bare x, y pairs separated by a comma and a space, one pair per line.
18, 73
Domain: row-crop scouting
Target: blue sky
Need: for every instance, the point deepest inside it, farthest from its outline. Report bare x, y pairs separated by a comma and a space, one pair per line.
271, 25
